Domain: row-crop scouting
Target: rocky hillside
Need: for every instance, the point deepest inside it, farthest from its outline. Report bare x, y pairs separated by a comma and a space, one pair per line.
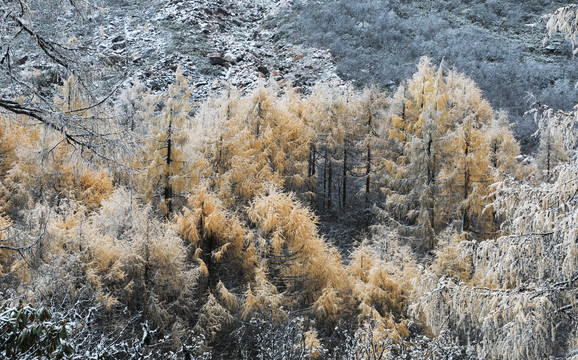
216, 43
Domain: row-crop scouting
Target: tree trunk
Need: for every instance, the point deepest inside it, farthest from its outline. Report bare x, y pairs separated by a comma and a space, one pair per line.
430, 201
344, 199
548, 156
368, 165
329, 184
367, 174
312, 160
168, 191
325, 178
465, 217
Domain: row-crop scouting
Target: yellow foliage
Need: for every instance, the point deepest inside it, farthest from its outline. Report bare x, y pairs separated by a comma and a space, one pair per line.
6, 256
263, 300
213, 316
18, 161
427, 90
106, 299
230, 301
96, 187
441, 133
328, 308
257, 140
116, 252
42, 160
449, 260
8, 140
22, 271
312, 344
167, 172
106, 258
203, 267
378, 287
292, 231
207, 226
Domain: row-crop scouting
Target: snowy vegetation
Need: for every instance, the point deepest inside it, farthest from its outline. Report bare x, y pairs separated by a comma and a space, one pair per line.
497, 43
149, 226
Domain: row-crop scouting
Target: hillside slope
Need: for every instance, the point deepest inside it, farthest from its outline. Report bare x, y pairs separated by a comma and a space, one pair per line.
497, 43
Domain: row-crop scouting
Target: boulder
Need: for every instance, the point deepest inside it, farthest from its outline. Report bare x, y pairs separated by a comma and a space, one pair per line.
216, 59
118, 38
263, 70
230, 58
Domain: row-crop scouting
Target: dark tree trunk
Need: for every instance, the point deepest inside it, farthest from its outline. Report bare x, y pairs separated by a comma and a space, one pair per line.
368, 174
430, 203
329, 184
344, 199
168, 190
325, 178
465, 217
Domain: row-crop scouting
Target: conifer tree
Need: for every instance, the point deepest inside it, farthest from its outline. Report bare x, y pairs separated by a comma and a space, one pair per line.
259, 139
503, 147
550, 154
219, 240
167, 168
441, 171
419, 127
134, 109
6, 254
372, 103
466, 170
564, 20
337, 121
295, 254
7, 147
558, 137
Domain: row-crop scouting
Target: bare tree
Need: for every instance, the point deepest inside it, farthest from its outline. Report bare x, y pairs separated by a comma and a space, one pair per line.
26, 32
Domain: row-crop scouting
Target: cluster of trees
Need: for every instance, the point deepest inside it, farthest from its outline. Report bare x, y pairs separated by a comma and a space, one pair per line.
172, 230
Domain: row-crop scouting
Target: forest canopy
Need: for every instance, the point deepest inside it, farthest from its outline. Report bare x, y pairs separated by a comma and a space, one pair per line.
333, 223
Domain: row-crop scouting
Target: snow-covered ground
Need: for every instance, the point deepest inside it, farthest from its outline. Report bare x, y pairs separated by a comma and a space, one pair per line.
216, 43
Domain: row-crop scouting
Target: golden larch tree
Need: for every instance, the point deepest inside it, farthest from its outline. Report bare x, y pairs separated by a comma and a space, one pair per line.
167, 167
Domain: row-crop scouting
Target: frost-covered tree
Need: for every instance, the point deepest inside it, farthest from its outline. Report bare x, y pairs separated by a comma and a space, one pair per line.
7, 146
514, 294
257, 139
418, 124
439, 167
564, 20
466, 173
295, 254
31, 30
558, 133
346, 143
564, 123
503, 147
371, 107
167, 168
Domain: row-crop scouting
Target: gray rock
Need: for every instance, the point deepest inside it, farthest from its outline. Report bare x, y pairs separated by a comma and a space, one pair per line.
119, 45
230, 58
118, 38
216, 59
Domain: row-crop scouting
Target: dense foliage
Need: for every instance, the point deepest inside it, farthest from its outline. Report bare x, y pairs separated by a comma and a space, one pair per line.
196, 233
